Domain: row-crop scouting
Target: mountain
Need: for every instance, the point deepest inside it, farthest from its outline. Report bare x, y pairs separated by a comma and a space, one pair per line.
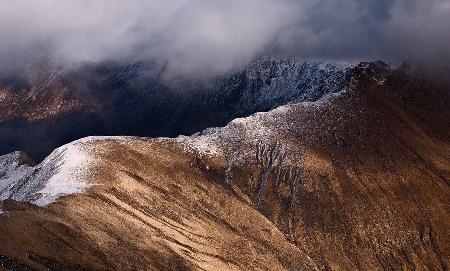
359, 179
46, 106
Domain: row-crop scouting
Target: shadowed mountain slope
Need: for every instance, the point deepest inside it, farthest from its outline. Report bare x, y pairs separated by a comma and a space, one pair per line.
46, 107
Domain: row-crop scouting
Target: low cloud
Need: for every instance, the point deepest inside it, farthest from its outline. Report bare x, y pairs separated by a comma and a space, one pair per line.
214, 35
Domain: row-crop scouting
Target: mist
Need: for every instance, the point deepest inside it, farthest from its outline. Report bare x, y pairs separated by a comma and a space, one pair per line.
198, 36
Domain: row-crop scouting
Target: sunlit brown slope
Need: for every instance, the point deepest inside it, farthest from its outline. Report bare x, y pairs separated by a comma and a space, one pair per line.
360, 180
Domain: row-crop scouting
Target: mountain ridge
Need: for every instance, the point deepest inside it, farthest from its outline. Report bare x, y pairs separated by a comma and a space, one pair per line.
357, 180
114, 99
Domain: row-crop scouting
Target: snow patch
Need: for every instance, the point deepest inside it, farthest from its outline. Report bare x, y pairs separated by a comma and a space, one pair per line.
64, 172
67, 173
201, 144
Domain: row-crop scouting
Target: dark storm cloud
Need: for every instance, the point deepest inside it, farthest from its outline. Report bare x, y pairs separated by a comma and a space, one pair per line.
393, 30
213, 35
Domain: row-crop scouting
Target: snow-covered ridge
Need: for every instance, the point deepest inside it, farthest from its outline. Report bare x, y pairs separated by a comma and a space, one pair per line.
269, 82
209, 143
63, 172
295, 80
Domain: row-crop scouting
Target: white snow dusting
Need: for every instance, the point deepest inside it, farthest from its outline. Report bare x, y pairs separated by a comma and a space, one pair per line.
64, 172
201, 144
67, 174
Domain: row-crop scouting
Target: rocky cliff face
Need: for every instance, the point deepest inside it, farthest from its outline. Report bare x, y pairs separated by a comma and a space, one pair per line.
357, 180
48, 107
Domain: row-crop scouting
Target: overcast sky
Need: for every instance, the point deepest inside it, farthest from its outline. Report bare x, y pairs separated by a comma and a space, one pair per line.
204, 35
